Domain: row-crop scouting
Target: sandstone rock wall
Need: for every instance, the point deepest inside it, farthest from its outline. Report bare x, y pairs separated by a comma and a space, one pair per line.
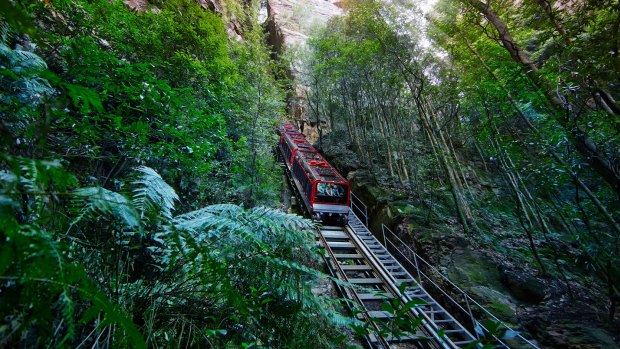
290, 22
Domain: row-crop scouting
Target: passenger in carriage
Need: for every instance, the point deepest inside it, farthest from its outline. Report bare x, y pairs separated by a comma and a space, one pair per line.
338, 191
329, 190
320, 188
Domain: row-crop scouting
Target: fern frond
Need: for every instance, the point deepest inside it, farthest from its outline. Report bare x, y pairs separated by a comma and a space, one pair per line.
224, 210
8, 181
24, 61
5, 51
189, 216
5, 31
340, 320
33, 90
152, 194
7, 201
283, 219
210, 220
29, 174
67, 310
97, 200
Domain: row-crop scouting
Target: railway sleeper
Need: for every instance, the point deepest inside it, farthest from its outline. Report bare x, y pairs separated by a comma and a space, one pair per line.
366, 281
404, 338
393, 267
373, 297
348, 256
356, 267
445, 321
379, 314
340, 245
399, 273
328, 235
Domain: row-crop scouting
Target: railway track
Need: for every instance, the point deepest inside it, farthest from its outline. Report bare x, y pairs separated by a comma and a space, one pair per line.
355, 256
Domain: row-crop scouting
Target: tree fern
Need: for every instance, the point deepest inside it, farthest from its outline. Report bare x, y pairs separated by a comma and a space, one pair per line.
22, 67
153, 194
223, 267
28, 177
44, 281
5, 31
28, 181
17, 59
256, 224
23, 62
8, 185
33, 89
99, 201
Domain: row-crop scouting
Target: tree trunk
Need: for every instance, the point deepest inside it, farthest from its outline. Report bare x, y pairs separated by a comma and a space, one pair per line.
516, 52
583, 143
546, 6
553, 154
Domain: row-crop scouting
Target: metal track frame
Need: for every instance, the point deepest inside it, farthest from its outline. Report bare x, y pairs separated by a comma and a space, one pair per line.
381, 275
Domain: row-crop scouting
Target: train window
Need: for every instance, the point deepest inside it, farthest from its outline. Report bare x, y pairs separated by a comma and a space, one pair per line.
287, 153
301, 176
331, 193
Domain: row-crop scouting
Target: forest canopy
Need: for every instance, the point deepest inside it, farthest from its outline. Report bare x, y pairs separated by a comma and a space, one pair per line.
136, 157
503, 115
140, 198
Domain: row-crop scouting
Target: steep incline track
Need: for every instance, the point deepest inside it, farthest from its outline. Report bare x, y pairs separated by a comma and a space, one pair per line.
355, 256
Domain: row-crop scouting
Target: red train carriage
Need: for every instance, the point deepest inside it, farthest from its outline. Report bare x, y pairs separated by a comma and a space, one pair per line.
325, 193
292, 141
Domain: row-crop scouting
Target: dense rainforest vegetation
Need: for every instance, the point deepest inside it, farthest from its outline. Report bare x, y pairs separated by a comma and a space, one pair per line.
136, 157
139, 196
501, 115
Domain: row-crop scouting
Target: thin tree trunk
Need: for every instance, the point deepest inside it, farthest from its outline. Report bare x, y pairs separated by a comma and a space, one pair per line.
553, 154
546, 6
583, 143
522, 211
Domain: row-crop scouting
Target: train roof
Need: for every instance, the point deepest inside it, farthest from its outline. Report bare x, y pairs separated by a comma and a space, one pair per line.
287, 127
293, 137
315, 164
298, 142
318, 167
327, 173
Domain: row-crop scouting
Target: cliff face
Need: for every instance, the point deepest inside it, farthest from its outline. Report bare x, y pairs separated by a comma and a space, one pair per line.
295, 18
289, 24
232, 25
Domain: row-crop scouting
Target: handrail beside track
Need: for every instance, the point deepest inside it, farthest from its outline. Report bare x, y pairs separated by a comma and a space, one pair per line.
418, 264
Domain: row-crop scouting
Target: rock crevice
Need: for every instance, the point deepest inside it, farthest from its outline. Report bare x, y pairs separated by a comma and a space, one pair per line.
289, 24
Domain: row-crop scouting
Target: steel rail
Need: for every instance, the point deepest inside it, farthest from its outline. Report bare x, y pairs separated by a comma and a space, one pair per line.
430, 326
352, 294
390, 282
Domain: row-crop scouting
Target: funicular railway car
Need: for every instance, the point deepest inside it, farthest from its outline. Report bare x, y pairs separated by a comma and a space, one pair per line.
324, 192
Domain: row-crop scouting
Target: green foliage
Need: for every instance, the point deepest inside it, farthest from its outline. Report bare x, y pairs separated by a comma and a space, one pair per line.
42, 285
153, 196
518, 153
102, 201
517, 124
238, 273
92, 252
164, 88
